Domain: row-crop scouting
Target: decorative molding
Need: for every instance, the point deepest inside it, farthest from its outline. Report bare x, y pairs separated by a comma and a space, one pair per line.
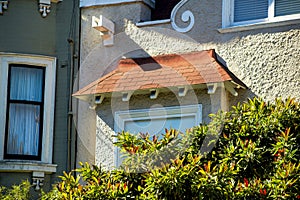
38, 180
27, 166
45, 5
3, 6
182, 90
154, 93
187, 17
99, 99
211, 88
44, 9
230, 87
95, 100
126, 96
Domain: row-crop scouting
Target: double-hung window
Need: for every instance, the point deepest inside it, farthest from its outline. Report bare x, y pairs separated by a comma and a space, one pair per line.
27, 88
247, 12
25, 102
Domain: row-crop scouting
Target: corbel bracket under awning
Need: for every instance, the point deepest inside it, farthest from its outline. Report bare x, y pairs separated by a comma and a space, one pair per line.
230, 86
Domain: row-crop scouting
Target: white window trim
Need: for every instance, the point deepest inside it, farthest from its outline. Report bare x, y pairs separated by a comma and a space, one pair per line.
49, 100
121, 117
229, 26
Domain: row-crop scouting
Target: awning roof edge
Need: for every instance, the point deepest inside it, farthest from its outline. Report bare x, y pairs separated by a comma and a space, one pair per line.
162, 71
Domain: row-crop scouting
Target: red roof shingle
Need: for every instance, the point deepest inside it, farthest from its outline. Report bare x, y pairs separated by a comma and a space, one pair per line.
161, 72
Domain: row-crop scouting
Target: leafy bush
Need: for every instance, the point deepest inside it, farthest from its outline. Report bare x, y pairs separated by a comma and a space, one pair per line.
250, 152
16, 192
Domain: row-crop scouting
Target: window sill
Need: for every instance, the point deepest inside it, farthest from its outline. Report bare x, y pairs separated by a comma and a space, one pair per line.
152, 23
27, 166
258, 25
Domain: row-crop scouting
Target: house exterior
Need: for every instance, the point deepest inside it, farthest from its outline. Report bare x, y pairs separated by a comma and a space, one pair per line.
38, 48
142, 70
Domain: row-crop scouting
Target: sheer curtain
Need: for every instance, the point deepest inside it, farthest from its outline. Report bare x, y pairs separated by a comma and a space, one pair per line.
26, 90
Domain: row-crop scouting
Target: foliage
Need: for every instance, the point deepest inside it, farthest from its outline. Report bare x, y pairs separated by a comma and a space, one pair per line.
16, 192
250, 152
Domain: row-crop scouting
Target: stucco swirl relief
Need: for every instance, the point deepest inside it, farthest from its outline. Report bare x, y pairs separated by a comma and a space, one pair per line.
187, 17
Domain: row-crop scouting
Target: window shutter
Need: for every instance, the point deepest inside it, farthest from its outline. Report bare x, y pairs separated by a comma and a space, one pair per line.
287, 7
245, 10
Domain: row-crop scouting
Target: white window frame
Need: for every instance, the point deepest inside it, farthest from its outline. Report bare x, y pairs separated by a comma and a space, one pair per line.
121, 117
271, 21
45, 164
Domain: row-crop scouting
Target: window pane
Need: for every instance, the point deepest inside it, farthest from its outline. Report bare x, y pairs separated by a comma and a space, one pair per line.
26, 84
163, 9
156, 126
23, 129
245, 10
287, 7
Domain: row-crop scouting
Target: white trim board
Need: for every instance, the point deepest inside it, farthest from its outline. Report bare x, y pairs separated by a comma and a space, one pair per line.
49, 99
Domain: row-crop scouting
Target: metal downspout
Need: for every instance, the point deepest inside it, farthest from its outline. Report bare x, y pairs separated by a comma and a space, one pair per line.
70, 111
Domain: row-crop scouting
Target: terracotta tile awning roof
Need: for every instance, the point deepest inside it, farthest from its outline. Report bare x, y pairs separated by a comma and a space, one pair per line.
162, 71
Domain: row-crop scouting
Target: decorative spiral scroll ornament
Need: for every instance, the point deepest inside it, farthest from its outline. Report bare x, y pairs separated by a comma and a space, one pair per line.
187, 16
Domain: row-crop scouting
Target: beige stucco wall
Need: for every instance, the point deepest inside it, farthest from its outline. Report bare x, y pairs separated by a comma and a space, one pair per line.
267, 60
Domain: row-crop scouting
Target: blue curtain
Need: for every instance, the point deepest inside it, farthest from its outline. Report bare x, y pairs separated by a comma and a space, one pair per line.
26, 90
26, 84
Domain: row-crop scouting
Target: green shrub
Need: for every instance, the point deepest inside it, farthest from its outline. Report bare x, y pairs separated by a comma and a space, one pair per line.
16, 192
250, 152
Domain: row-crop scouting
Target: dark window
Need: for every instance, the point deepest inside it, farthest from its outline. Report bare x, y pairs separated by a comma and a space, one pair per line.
163, 9
25, 106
